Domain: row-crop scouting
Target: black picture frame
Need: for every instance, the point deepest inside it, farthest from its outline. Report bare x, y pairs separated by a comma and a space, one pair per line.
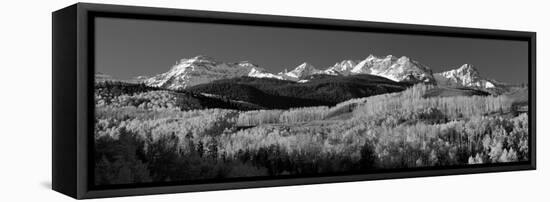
73, 111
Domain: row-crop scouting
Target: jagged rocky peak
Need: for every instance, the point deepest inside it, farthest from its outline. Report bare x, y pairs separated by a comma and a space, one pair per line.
199, 69
464, 72
387, 58
405, 61
468, 69
200, 61
305, 67
303, 70
371, 57
203, 69
391, 67
394, 68
377, 62
344, 65
465, 75
204, 60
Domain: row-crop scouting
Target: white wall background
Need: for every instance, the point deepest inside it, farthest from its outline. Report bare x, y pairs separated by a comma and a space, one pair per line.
25, 104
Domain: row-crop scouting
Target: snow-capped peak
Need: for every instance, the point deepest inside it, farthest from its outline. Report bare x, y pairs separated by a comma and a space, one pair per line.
303, 70
200, 59
198, 70
397, 69
465, 75
343, 67
468, 69
203, 69
304, 67
371, 57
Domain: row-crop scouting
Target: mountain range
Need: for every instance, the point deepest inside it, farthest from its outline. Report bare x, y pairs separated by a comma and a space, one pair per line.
203, 69
396, 69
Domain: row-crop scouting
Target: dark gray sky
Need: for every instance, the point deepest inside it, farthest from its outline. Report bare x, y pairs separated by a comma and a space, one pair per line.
126, 48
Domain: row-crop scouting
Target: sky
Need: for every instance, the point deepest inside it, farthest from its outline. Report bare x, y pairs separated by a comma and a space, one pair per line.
126, 48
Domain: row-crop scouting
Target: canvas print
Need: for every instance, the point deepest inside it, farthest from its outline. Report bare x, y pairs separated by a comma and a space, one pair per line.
193, 102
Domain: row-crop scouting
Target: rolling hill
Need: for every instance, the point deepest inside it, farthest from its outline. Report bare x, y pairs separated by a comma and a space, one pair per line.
112, 92
281, 94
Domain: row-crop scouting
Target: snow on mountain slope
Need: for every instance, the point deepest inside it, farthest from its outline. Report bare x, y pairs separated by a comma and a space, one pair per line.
303, 70
203, 69
363, 67
391, 67
396, 69
260, 73
198, 70
466, 75
341, 68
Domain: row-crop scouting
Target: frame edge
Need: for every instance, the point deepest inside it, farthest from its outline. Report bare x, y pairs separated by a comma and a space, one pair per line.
64, 101
82, 74
533, 98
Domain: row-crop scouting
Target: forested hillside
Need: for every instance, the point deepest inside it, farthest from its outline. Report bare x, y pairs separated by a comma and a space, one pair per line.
319, 90
120, 94
154, 135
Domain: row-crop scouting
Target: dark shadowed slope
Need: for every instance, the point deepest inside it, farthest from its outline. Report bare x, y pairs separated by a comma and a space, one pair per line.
319, 90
